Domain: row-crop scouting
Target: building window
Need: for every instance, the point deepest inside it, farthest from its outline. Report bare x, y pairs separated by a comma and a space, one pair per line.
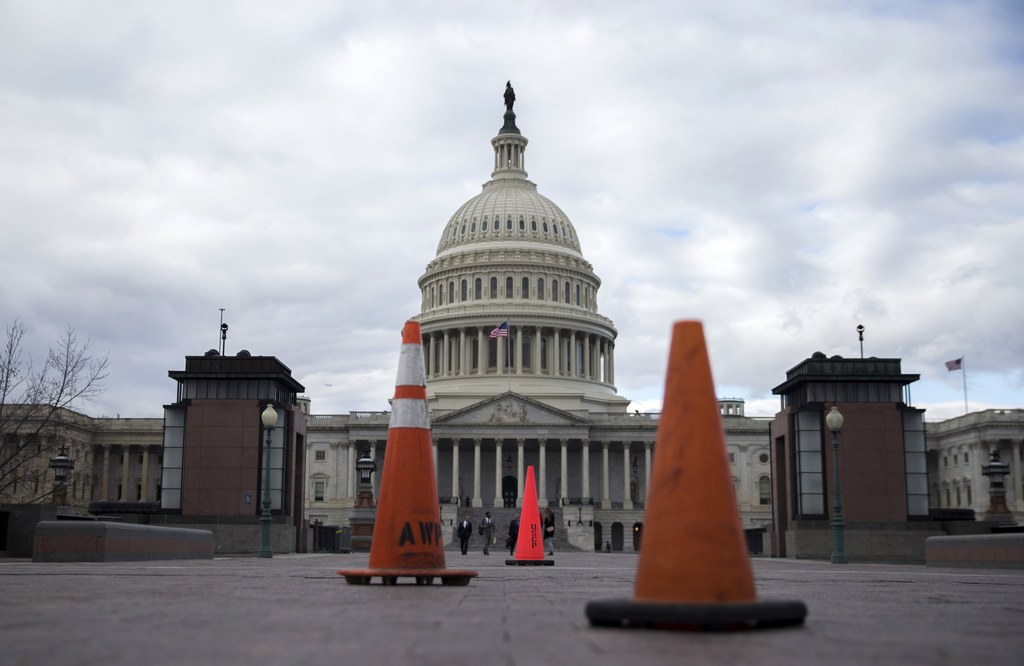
732, 457
540, 289
764, 491
508, 224
464, 291
526, 287
522, 224
318, 491
508, 287
478, 289
483, 226
533, 225
955, 458
554, 290
472, 228
451, 291
566, 292
494, 287
320, 455
577, 294
965, 458
763, 458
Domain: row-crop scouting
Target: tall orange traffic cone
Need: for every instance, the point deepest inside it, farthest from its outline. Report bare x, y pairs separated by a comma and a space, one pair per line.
407, 533
530, 542
693, 571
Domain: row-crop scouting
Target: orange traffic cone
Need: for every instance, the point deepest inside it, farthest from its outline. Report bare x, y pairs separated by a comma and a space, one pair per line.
693, 571
530, 542
407, 532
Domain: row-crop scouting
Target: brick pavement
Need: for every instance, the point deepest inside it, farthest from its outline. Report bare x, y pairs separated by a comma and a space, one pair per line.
295, 610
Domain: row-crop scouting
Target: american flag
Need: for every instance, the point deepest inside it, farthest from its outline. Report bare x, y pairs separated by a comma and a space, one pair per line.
956, 364
501, 331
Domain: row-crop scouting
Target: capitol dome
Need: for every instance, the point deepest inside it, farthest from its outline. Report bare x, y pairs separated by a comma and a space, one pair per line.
511, 256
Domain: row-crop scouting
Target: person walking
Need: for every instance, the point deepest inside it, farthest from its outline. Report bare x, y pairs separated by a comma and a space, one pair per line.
464, 531
549, 531
487, 531
513, 535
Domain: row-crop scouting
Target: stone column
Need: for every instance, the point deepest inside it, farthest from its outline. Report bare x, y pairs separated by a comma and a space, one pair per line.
446, 355
536, 351
564, 466
606, 500
573, 358
497, 474
375, 478
481, 352
586, 355
105, 475
556, 351
585, 468
125, 457
463, 360
647, 468
542, 467
627, 499
611, 362
519, 350
145, 475
477, 500
520, 443
455, 470
351, 454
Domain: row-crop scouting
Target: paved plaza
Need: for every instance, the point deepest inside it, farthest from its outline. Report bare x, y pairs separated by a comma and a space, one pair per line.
294, 609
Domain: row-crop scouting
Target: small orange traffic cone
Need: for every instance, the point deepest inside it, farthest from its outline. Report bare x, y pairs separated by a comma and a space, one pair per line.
530, 542
693, 571
407, 532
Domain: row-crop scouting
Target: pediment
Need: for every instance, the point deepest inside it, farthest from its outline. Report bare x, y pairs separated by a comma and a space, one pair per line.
509, 409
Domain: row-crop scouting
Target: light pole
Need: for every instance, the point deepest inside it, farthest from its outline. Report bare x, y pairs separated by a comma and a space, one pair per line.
269, 418
834, 423
61, 465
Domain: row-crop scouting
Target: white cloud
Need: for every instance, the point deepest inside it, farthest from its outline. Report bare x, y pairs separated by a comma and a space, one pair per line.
782, 180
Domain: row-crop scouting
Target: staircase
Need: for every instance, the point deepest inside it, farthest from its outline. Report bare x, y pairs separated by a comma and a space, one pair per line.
502, 517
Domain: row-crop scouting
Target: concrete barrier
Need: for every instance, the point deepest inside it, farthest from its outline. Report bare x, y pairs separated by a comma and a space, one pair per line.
979, 551
98, 541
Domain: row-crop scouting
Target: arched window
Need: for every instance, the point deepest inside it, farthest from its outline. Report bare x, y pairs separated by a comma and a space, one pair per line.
540, 289
451, 292
508, 224
463, 232
483, 226
508, 287
545, 227
764, 491
478, 288
522, 224
472, 228
494, 287
554, 227
533, 224
566, 292
554, 290
577, 294
526, 287
464, 291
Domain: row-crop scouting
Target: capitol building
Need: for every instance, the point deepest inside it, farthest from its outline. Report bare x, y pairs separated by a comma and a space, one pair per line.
520, 368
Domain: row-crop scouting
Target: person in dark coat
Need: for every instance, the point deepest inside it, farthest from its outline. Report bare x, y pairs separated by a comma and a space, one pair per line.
513, 534
487, 531
464, 531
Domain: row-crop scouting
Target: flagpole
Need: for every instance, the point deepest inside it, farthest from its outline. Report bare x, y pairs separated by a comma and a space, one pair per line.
963, 368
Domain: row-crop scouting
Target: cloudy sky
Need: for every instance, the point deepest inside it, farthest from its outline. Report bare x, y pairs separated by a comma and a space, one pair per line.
781, 171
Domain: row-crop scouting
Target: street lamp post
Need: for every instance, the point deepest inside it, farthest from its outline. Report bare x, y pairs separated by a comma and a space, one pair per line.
61, 465
269, 418
834, 423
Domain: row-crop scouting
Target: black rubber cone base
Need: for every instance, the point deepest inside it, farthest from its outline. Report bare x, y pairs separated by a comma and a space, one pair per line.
419, 576
696, 617
530, 563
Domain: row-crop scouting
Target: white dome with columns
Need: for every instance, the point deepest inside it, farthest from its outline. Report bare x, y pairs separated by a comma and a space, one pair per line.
511, 255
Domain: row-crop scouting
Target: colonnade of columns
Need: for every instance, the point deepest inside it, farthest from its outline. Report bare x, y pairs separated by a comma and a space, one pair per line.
503, 468
134, 480
528, 350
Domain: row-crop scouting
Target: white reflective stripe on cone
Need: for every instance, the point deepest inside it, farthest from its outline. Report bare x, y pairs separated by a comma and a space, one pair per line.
409, 413
410, 367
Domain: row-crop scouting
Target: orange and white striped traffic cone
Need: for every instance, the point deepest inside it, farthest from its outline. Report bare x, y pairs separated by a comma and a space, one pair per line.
407, 533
